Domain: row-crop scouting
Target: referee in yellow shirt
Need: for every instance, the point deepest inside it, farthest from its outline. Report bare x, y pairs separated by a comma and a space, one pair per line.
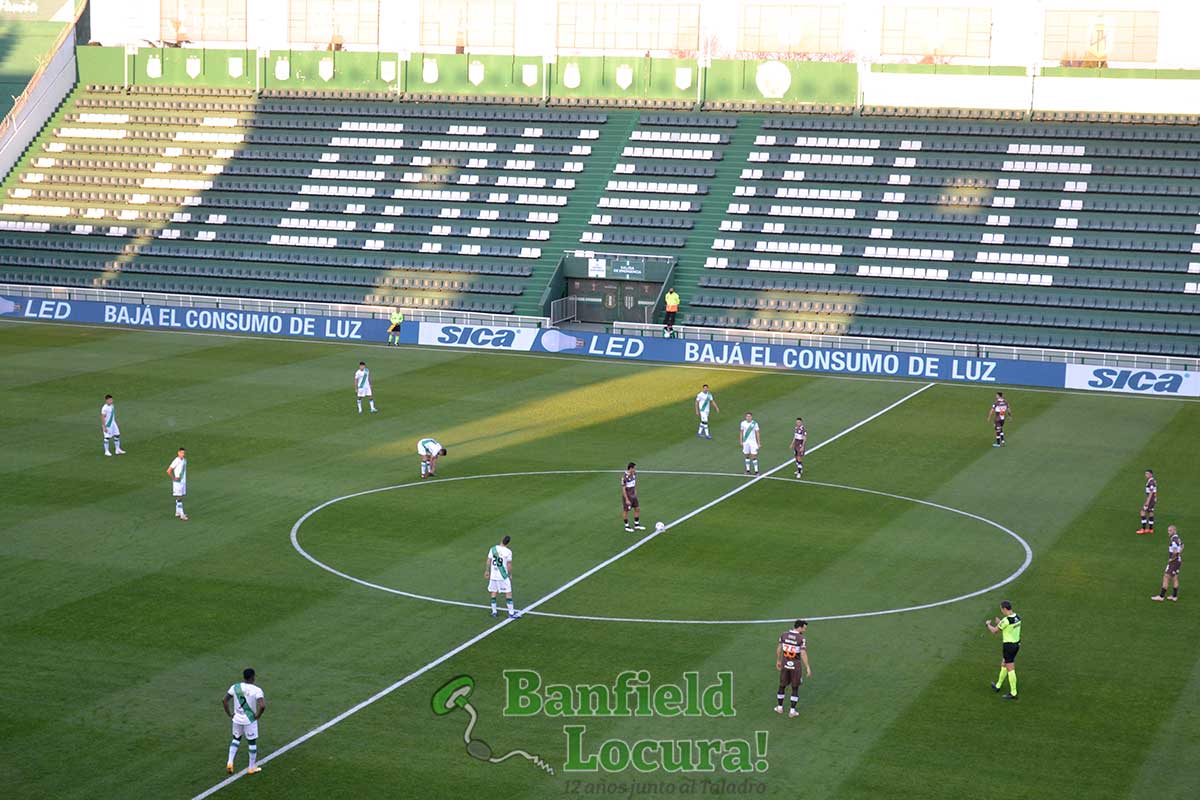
1008, 625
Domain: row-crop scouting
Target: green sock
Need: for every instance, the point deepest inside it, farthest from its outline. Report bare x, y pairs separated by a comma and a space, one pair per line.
1000, 680
1012, 682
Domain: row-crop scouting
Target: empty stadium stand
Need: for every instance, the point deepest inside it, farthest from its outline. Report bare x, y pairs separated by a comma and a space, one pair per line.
998, 231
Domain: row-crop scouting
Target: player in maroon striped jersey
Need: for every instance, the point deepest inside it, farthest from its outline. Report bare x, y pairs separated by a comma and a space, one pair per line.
998, 415
1149, 503
1174, 564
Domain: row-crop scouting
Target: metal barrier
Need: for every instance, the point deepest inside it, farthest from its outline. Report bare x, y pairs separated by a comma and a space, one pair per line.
563, 310
1094, 358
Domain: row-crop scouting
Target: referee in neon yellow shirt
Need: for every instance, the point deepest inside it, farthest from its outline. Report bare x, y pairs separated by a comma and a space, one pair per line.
1008, 625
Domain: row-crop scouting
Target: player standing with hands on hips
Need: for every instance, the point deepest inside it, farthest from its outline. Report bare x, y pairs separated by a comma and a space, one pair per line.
362, 386
790, 653
178, 472
245, 704
108, 424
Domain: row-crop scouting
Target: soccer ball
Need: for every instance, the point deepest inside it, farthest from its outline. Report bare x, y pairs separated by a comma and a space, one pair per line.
659, 527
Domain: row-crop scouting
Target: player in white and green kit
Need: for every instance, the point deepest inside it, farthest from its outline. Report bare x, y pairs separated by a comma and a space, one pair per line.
498, 571
178, 473
705, 402
108, 424
751, 441
362, 386
429, 450
245, 704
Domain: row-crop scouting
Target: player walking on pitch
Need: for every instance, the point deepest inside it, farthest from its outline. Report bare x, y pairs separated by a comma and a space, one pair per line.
498, 572
704, 402
751, 439
108, 424
998, 414
178, 472
799, 440
629, 499
1174, 563
245, 704
430, 450
1008, 624
362, 386
790, 653
1149, 503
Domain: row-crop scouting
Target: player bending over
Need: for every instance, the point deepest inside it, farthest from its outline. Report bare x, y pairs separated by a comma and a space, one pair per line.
362, 386
751, 442
997, 415
1148, 504
790, 653
799, 440
704, 402
430, 451
498, 572
629, 499
108, 425
248, 705
178, 472
1174, 563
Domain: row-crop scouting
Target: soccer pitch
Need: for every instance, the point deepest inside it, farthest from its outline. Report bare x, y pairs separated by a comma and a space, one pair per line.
123, 627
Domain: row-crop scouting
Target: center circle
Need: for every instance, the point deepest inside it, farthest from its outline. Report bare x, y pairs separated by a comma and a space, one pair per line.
533, 611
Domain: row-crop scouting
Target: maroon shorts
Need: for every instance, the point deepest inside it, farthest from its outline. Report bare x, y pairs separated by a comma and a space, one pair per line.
630, 501
791, 675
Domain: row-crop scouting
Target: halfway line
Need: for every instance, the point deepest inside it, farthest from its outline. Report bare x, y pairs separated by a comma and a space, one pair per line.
573, 582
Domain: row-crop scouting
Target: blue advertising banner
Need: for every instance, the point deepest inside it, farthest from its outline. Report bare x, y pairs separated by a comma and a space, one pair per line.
133, 315
874, 363
774, 356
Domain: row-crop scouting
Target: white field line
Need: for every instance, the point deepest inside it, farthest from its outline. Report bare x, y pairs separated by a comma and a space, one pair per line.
661, 621
486, 632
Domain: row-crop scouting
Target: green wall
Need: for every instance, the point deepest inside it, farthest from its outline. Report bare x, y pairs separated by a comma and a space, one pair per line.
467, 74
22, 44
493, 75
783, 81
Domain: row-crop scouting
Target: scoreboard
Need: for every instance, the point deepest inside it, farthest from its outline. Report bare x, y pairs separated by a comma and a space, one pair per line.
607, 300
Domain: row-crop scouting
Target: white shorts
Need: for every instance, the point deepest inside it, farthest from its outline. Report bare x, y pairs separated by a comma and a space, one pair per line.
115, 430
249, 730
500, 585
178, 489
365, 391
704, 417
750, 448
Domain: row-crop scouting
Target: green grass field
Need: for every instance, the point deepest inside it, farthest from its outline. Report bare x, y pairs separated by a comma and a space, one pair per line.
123, 627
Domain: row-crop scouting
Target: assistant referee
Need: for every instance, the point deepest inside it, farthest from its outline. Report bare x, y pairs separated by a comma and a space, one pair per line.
1008, 624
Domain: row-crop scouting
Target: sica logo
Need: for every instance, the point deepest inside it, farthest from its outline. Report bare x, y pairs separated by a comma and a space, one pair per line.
1128, 380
